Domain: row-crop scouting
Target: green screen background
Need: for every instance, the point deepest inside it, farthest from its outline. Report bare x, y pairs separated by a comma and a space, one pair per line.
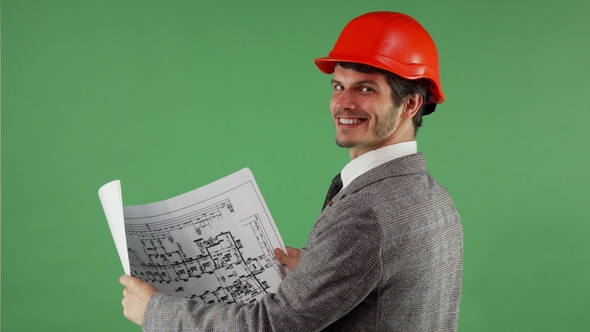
170, 95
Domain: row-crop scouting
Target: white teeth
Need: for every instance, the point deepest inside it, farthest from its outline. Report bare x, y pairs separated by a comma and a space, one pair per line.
349, 121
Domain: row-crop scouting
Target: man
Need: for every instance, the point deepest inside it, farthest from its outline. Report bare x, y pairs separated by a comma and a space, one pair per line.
386, 252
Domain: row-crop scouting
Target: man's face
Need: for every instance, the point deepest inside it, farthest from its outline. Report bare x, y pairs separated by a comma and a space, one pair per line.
362, 110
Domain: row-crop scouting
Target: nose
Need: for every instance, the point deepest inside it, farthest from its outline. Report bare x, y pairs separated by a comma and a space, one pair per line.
343, 100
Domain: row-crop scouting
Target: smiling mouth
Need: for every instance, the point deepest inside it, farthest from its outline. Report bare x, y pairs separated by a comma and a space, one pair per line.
350, 121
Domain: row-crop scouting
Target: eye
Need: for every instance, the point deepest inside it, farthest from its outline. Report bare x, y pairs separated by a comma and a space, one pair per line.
337, 87
366, 89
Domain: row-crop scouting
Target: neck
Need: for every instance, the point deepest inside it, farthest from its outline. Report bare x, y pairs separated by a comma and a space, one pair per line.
403, 133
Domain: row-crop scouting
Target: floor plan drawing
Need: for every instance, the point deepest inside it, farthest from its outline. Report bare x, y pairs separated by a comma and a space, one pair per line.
213, 244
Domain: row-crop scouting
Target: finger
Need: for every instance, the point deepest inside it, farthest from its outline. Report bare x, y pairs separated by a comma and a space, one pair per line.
282, 257
125, 280
279, 254
286, 260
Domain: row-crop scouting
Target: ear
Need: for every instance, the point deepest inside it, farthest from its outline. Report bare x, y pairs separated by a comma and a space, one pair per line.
411, 105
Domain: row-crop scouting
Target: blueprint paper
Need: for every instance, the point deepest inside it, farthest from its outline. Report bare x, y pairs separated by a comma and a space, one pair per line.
213, 244
112, 203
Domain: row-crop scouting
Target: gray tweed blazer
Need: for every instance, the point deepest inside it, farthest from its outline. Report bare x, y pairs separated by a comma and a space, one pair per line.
387, 255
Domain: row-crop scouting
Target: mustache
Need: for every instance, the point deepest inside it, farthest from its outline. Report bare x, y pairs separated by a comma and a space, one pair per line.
351, 114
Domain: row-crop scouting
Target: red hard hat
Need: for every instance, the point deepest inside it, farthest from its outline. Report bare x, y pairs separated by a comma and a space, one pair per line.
391, 41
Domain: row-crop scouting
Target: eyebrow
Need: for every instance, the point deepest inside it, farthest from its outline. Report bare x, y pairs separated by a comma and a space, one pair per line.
370, 82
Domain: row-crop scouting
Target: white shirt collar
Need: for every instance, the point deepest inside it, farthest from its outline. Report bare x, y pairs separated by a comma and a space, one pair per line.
374, 158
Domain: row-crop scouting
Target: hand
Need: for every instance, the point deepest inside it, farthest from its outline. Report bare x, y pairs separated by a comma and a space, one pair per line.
135, 297
290, 259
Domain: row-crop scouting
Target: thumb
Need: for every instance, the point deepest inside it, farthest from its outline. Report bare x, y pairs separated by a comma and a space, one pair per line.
289, 259
292, 252
281, 256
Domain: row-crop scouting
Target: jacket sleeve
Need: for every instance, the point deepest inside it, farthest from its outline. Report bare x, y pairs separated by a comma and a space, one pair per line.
339, 267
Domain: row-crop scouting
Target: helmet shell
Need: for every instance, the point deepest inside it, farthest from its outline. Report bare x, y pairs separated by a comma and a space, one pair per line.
391, 41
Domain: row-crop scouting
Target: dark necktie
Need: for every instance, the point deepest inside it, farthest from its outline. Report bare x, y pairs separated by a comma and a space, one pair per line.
334, 189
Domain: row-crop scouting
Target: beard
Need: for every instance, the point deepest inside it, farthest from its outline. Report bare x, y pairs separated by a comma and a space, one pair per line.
383, 128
